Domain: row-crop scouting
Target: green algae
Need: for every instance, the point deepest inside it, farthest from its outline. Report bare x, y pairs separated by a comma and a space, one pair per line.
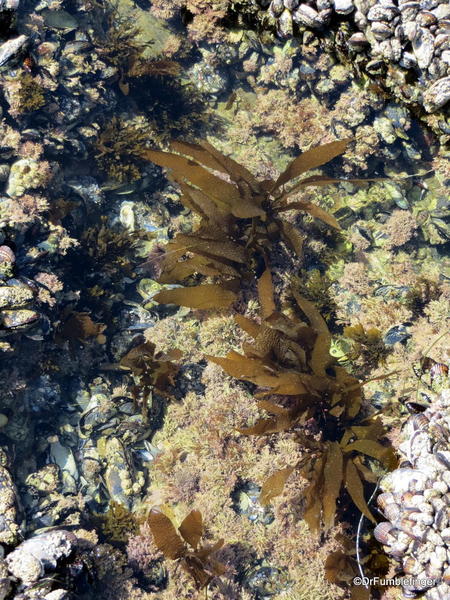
31, 94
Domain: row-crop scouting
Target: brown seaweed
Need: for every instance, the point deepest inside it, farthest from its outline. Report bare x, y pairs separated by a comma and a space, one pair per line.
240, 217
291, 358
195, 558
151, 370
79, 327
298, 385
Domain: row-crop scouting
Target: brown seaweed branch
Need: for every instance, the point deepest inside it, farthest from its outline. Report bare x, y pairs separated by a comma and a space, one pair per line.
195, 558
290, 358
240, 217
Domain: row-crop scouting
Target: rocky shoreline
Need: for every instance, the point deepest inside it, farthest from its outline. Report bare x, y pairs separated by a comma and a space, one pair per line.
412, 36
88, 442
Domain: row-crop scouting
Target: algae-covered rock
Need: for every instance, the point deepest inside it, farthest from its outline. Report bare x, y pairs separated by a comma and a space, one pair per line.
153, 32
25, 174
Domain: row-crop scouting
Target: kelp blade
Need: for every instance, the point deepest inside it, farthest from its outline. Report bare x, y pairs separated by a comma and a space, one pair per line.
266, 294
191, 528
234, 169
199, 154
355, 489
165, 536
220, 191
189, 170
320, 358
333, 474
313, 210
207, 296
274, 485
311, 159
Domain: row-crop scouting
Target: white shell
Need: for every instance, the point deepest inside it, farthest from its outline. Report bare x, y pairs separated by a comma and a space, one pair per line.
416, 502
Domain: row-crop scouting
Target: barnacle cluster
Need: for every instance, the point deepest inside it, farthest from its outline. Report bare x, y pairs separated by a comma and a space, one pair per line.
415, 499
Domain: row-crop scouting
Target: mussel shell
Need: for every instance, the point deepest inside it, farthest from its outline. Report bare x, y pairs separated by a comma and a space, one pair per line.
443, 457
13, 296
411, 566
384, 499
405, 480
392, 512
267, 581
446, 575
276, 8
18, 319
419, 421
7, 255
441, 519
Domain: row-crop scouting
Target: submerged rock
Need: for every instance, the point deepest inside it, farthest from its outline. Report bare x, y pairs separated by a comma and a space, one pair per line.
9, 528
34, 556
344, 7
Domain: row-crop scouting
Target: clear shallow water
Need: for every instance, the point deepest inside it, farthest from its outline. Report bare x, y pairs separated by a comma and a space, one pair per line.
72, 215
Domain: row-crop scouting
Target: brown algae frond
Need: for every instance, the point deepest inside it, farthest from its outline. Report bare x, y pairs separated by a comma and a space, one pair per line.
119, 148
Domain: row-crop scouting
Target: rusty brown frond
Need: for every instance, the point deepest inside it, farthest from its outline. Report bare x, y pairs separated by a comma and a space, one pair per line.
151, 370
185, 546
155, 67
298, 384
240, 217
79, 327
289, 357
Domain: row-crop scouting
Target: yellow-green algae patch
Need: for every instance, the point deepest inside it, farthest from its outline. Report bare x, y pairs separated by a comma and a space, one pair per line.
204, 459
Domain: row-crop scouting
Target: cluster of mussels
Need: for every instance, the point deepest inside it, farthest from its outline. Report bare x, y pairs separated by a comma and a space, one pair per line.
16, 296
415, 499
413, 35
62, 456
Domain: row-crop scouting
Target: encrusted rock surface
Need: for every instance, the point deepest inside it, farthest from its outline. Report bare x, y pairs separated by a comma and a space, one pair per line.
415, 501
30, 559
410, 35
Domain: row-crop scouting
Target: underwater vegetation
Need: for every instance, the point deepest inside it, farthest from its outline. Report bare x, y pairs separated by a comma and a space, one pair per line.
118, 523
301, 390
290, 358
118, 147
79, 327
151, 370
165, 105
31, 94
239, 219
195, 558
110, 248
